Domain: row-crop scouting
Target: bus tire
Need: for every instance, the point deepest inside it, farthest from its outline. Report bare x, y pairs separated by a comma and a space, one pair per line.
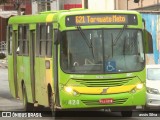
27, 106
146, 108
51, 103
126, 113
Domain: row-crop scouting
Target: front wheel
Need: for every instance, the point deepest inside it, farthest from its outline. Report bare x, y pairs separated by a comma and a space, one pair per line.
27, 106
126, 113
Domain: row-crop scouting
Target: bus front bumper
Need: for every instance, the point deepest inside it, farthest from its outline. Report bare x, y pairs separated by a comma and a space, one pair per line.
72, 99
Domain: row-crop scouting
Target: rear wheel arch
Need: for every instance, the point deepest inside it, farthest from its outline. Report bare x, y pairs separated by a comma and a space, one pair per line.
22, 83
27, 106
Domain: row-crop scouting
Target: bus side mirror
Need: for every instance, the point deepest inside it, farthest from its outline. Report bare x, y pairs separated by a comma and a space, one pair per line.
148, 42
57, 36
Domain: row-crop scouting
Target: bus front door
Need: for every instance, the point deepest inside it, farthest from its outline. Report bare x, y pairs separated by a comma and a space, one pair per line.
15, 52
32, 62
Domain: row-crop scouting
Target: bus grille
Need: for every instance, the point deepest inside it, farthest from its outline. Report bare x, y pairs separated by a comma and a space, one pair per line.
103, 82
96, 102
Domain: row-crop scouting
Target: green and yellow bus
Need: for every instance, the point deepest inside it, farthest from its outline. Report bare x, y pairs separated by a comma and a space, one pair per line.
78, 59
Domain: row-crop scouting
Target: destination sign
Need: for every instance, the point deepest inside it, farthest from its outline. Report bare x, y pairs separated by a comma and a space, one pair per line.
110, 19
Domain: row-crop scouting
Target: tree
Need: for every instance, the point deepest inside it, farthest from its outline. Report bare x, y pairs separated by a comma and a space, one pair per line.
17, 4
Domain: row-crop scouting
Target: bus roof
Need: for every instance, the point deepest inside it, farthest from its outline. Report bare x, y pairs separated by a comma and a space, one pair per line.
51, 16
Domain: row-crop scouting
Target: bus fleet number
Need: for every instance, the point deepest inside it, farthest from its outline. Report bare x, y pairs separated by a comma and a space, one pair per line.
73, 102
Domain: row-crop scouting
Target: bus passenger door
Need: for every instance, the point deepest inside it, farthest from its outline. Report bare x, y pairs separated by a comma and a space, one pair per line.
15, 52
12, 61
32, 62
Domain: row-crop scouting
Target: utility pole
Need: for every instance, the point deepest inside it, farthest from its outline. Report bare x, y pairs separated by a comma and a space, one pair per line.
17, 5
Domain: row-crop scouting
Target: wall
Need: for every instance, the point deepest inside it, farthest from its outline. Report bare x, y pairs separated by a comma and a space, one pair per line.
142, 3
10, 7
153, 26
69, 4
3, 24
58, 5
122, 4
101, 4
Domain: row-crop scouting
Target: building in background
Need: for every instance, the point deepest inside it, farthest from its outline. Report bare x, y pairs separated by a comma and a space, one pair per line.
153, 5
9, 9
101, 4
46, 5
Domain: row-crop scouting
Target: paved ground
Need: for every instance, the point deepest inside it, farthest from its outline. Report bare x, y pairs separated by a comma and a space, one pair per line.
7, 102
3, 64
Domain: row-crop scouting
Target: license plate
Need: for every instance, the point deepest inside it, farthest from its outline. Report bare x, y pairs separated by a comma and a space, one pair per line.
106, 101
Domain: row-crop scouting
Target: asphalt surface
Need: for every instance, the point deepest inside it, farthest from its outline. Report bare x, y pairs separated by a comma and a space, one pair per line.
7, 102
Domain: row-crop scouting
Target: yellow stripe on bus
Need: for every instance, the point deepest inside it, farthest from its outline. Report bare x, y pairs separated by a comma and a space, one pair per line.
103, 90
49, 18
121, 89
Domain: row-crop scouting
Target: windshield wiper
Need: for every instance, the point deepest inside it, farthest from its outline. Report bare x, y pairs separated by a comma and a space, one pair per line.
84, 36
119, 35
86, 40
124, 47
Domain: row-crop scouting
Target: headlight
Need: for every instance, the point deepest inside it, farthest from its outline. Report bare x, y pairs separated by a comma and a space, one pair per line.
139, 86
152, 90
68, 89
71, 91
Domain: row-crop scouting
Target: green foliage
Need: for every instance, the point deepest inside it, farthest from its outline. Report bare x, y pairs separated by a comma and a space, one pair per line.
2, 55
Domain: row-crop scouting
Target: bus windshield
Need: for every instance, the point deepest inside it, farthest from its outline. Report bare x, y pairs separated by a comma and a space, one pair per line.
102, 51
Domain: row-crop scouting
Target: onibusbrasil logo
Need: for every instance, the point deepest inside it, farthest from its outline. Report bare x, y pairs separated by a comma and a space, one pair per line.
20, 114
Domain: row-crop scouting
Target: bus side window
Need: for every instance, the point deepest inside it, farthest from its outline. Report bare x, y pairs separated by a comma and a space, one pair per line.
49, 40
10, 33
41, 40
44, 36
23, 41
20, 42
37, 39
42, 50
